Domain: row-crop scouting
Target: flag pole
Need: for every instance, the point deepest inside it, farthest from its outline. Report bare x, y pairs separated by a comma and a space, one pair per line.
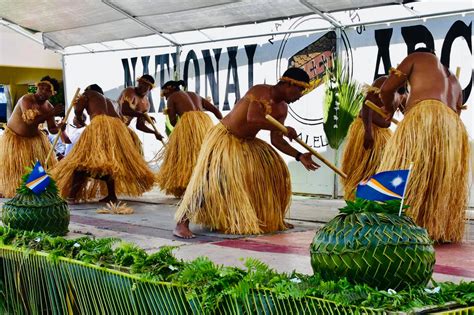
405, 189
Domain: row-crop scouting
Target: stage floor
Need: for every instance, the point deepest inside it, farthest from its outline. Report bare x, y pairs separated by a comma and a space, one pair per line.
152, 224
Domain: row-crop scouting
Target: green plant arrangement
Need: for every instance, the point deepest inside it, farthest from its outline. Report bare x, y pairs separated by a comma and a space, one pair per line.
342, 103
32, 89
42, 274
370, 243
46, 211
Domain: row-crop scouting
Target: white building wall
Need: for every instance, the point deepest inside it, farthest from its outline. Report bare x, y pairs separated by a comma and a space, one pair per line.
17, 50
268, 62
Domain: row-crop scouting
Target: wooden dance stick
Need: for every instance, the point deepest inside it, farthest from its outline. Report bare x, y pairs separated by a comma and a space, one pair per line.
71, 106
379, 111
458, 73
283, 129
148, 118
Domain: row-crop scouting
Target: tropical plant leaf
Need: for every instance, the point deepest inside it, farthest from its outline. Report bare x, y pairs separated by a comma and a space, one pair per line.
360, 205
342, 103
23, 190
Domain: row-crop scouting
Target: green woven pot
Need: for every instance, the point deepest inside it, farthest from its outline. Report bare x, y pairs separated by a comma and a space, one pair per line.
379, 249
46, 212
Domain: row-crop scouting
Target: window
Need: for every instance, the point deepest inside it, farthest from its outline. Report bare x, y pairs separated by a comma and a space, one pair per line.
3, 103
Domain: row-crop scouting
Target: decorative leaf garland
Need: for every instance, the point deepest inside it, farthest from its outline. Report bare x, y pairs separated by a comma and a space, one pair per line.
212, 282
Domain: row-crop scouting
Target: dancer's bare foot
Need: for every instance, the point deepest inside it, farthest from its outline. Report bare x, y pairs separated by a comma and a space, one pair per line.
289, 225
182, 230
109, 199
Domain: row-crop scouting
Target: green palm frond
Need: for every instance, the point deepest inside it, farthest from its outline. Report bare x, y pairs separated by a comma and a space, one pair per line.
360, 205
342, 103
41, 274
168, 126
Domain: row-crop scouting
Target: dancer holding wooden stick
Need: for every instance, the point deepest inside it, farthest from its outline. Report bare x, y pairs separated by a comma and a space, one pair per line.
105, 151
180, 156
367, 137
63, 122
240, 184
315, 153
432, 136
134, 103
22, 142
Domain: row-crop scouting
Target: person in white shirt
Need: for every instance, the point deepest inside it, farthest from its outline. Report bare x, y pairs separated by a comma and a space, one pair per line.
60, 147
74, 134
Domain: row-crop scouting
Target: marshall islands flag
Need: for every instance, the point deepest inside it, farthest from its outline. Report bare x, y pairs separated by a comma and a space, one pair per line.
38, 179
384, 186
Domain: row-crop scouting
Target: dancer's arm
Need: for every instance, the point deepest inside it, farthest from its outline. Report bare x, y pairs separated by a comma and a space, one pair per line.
126, 104
397, 78
281, 144
210, 107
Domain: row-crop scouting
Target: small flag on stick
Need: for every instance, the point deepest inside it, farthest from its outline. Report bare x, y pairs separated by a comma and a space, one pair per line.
383, 186
38, 179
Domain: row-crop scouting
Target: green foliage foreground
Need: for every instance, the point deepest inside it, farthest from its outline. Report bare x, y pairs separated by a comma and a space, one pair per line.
46, 274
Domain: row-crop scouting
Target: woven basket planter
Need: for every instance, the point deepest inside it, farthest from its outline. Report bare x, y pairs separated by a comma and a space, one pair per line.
46, 212
383, 250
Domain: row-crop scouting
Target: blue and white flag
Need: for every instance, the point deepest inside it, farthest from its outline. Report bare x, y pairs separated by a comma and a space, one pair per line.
38, 179
384, 186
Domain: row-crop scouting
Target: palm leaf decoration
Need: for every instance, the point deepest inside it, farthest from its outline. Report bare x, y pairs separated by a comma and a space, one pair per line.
369, 243
46, 212
342, 102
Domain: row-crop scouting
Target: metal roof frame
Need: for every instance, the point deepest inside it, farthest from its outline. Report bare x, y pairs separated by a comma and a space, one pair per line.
326, 16
129, 16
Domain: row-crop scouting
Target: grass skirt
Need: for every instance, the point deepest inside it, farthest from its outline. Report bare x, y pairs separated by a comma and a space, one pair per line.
181, 153
136, 141
18, 152
357, 162
105, 148
238, 186
434, 138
